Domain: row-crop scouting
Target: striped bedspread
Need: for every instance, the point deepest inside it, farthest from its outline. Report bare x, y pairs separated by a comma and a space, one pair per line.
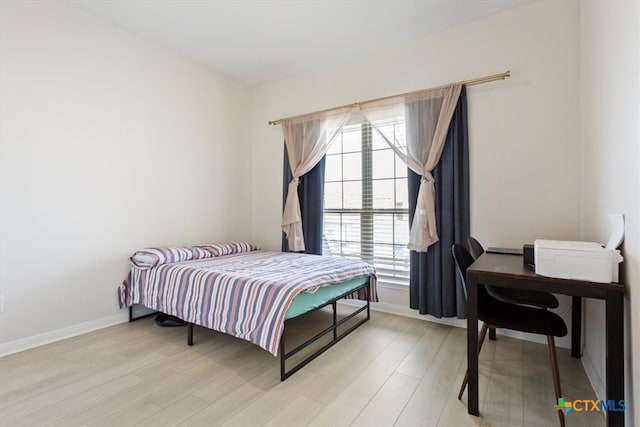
245, 295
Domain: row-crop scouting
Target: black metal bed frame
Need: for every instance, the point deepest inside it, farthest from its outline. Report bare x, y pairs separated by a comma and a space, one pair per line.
284, 355
133, 319
334, 327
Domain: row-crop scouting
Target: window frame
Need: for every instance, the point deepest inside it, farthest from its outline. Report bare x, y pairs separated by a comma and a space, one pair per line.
366, 212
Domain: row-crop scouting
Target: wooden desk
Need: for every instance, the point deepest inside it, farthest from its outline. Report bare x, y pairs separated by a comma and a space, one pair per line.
509, 271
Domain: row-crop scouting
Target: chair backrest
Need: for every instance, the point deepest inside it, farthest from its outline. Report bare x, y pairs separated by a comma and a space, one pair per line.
475, 248
463, 260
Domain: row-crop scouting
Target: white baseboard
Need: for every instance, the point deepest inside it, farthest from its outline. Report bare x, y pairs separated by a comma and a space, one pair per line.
409, 312
460, 323
594, 378
23, 344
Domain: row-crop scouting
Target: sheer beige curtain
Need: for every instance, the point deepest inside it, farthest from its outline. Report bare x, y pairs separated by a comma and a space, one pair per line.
416, 126
307, 139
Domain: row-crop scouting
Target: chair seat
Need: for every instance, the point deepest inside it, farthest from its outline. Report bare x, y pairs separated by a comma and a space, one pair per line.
524, 296
521, 318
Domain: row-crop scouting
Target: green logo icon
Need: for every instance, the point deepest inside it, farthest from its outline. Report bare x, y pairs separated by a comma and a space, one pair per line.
563, 406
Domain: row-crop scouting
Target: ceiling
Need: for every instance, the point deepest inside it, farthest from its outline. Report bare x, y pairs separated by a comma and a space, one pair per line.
260, 41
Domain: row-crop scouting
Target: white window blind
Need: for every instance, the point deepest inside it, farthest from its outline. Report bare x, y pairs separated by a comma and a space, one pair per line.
366, 202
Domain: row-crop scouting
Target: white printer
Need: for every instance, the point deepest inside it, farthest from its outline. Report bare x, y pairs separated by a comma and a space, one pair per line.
581, 260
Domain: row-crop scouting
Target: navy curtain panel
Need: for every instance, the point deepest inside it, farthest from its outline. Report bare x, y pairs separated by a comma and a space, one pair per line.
435, 287
311, 193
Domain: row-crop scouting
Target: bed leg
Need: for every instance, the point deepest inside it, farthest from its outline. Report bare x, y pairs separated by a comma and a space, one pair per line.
282, 374
144, 316
190, 334
366, 293
335, 320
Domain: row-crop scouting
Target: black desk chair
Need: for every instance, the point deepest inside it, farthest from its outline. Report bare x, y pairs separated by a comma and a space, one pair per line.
495, 313
513, 296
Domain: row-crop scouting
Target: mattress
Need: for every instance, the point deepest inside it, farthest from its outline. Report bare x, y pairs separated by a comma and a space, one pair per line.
305, 302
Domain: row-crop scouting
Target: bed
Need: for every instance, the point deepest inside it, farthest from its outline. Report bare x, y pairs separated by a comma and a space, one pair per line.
237, 289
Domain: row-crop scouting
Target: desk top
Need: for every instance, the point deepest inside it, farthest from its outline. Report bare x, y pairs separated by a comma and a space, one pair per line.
497, 268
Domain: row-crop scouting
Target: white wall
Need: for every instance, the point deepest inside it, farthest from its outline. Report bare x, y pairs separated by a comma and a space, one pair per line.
108, 144
524, 136
610, 133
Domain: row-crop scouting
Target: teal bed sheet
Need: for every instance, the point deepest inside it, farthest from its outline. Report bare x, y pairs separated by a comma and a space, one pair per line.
304, 302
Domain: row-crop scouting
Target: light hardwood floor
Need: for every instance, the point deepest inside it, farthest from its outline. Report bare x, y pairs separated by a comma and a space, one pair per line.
391, 371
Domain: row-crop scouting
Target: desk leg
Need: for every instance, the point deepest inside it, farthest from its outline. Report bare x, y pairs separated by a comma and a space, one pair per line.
615, 355
576, 327
472, 346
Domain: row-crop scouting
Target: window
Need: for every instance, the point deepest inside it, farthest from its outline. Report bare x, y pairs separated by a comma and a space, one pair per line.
366, 203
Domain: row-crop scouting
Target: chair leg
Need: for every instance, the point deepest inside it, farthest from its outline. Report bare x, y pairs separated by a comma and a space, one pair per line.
492, 334
483, 334
556, 374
